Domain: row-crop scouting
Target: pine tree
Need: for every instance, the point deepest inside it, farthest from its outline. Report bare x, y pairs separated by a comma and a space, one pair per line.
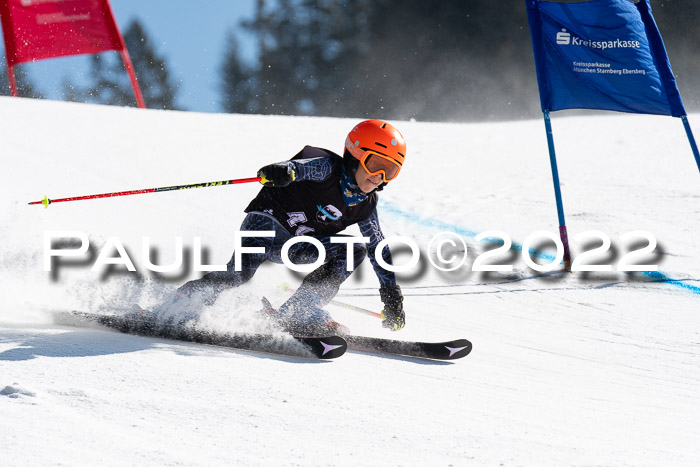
111, 85
304, 49
151, 70
238, 82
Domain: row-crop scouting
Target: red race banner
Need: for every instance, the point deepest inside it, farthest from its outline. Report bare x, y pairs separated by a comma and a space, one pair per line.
39, 29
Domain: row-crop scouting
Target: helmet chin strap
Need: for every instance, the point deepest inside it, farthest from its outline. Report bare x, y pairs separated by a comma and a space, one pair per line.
380, 187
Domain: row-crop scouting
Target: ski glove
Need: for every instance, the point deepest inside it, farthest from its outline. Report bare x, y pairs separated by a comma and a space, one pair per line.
393, 316
277, 175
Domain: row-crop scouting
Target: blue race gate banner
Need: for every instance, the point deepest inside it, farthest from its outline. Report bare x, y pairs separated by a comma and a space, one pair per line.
602, 54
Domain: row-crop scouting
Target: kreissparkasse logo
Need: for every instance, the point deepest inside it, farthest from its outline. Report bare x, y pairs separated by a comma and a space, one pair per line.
566, 38
563, 37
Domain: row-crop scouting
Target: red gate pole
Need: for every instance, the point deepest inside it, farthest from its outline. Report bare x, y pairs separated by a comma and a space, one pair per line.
126, 58
132, 76
13, 82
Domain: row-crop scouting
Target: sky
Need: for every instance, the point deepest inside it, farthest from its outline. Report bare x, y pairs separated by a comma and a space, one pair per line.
189, 34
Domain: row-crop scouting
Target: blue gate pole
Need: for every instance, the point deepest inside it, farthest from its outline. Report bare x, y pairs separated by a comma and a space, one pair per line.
691, 140
557, 191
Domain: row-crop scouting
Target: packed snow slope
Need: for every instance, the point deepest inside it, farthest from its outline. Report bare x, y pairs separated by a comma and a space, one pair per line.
586, 368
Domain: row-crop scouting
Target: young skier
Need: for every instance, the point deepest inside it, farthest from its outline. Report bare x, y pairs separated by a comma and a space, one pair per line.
318, 193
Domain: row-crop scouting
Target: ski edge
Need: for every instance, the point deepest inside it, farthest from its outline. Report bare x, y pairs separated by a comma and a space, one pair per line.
447, 350
319, 347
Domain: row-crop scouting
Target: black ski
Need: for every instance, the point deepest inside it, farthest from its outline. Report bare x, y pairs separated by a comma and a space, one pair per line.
449, 350
323, 347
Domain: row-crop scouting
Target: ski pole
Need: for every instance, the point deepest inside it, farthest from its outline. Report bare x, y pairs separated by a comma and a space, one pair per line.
46, 201
356, 308
287, 288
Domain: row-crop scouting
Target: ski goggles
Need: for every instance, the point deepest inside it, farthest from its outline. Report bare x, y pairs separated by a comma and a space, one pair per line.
375, 163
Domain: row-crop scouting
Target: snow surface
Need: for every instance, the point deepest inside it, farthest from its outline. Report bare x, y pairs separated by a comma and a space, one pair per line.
567, 368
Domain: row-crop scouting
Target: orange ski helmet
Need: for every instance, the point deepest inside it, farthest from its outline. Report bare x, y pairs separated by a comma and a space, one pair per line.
379, 148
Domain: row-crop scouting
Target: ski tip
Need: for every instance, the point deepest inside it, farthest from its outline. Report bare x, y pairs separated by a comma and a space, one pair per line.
325, 348
457, 349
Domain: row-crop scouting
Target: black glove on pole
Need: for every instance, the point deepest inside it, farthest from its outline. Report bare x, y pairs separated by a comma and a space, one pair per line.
277, 175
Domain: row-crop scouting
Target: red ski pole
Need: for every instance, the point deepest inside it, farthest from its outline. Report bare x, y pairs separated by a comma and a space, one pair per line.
287, 288
46, 201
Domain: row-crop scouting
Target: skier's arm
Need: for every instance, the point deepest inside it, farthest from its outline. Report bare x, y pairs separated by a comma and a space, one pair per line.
283, 173
393, 316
